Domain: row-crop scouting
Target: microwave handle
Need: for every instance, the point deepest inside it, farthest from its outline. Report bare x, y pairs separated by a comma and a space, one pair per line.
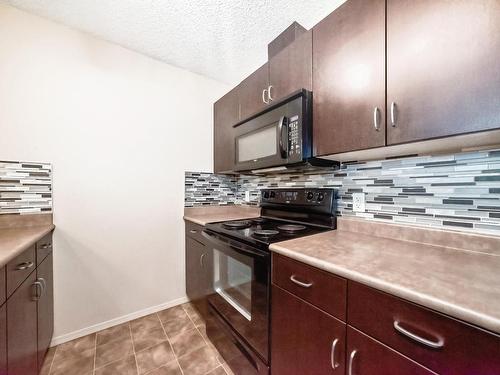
283, 126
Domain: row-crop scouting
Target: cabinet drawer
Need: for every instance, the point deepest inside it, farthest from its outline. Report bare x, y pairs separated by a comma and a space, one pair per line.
441, 343
322, 289
19, 268
369, 357
194, 231
43, 248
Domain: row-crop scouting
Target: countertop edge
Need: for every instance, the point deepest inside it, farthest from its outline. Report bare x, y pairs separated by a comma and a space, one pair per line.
26, 244
469, 316
193, 220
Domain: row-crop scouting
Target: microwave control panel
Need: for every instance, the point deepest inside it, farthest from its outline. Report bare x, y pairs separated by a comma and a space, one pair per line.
294, 138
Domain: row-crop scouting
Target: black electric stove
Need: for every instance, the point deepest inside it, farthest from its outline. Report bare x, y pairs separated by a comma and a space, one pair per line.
241, 263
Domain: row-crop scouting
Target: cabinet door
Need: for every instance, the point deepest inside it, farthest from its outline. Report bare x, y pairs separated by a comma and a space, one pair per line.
22, 329
3, 340
304, 340
349, 78
291, 69
45, 307
199, 265
366, 356
250, 92
443, 71
226, 114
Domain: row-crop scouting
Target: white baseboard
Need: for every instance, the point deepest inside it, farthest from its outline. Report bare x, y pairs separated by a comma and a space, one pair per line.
113, 322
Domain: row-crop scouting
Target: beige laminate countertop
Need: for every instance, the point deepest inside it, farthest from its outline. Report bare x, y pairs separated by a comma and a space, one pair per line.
13, 241
461, 283
213, 214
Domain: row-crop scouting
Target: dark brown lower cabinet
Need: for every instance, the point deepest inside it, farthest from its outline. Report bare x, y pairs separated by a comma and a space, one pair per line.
304, 339
198, 275
22, 351
366, 356
3, 339
45, 307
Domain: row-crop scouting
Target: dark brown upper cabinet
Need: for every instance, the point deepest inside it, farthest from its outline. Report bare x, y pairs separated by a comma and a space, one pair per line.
226, 114
349, 78
291, 68
443, 70
252, 92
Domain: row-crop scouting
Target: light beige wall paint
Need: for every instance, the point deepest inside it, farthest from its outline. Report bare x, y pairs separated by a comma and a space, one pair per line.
120, 130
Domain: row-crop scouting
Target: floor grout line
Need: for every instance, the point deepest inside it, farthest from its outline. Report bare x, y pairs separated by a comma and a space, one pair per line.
95, 352
170, 342
52, 362
133, 347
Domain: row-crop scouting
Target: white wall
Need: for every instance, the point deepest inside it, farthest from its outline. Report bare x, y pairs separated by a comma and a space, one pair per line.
120, 130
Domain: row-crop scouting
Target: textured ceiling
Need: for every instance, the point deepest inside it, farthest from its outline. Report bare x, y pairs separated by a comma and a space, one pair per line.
221, 39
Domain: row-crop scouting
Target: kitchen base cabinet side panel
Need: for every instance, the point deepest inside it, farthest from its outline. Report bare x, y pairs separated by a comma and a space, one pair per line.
366, 356
3, 339
349, 78
22, 351
45, 307
304, 340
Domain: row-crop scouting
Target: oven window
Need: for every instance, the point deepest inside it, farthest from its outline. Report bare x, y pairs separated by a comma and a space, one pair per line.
233, 282
258, 144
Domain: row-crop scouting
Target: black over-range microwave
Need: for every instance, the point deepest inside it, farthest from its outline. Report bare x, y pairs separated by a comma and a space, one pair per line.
278, 138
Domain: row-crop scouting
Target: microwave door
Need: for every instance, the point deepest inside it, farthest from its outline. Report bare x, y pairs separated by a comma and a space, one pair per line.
264, 146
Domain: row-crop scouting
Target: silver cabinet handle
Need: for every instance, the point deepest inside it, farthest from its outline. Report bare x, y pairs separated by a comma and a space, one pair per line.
202, 257
264, 95
375, 119
431, 344
300, 283
24, 266
37, 285
46, 246
43, 282
351, 361
393, 114
333, 362
269, 93
193, 231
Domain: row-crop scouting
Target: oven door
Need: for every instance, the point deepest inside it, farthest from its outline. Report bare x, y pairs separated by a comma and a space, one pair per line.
241, 289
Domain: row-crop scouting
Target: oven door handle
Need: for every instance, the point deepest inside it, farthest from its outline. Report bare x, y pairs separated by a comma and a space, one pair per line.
283, 125
219, 241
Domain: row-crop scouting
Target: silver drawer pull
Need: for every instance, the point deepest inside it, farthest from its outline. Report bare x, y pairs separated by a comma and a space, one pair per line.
193, 231
351, 361
46, 246
24, 266
333, 362
431, 344
300, 283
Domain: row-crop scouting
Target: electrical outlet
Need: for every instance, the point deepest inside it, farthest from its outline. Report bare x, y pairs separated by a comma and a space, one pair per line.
247, 196
358, 202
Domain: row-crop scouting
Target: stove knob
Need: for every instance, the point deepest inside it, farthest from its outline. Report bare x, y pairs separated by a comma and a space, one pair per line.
273, 194
321, 196
310, 195
266, 194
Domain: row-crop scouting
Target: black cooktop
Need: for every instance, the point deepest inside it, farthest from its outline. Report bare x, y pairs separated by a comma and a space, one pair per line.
264, 231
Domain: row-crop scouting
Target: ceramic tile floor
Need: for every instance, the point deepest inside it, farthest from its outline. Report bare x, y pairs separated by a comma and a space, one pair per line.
170, 342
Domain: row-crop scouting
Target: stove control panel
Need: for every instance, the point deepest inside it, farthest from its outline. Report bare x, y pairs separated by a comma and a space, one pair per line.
320, 198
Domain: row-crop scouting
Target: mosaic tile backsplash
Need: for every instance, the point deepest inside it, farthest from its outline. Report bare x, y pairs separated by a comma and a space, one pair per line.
460, 191
25, 188
203, 189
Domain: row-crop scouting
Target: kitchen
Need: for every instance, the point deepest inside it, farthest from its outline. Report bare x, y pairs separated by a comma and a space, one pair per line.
318, 194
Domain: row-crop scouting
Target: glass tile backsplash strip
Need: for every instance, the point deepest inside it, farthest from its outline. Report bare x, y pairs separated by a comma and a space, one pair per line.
203, 189
25, 187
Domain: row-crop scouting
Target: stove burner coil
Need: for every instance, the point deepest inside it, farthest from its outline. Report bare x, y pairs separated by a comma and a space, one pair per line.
265, 233
291, 228
237, 224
